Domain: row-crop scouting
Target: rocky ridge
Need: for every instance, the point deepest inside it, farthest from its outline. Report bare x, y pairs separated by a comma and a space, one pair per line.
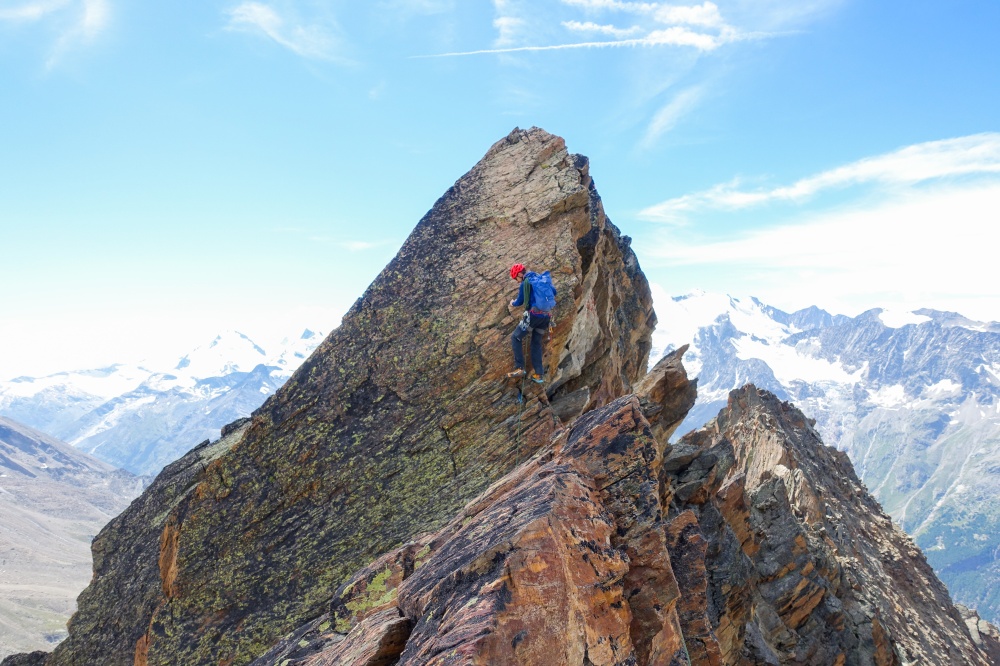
400, 417
367, 515
747, 542
911, 397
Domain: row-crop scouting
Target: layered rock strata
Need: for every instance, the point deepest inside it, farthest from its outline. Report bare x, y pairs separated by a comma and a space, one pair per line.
801, 564
397, 420
564, 561
611, 548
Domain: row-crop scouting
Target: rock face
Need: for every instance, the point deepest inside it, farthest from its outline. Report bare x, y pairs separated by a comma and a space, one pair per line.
397, 420
610, 548
802, 565
395, 504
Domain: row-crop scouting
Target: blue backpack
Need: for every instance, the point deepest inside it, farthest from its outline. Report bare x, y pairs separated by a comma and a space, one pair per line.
543, 292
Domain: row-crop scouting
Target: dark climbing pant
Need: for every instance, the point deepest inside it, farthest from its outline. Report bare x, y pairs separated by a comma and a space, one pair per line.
539, 326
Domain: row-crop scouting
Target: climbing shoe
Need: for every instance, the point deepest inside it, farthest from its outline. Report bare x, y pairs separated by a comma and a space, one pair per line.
517, 374
537, 378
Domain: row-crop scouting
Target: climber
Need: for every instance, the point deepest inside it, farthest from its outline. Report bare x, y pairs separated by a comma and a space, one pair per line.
538, 296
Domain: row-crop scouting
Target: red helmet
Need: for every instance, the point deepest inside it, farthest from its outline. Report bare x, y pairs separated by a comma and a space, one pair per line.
515, 269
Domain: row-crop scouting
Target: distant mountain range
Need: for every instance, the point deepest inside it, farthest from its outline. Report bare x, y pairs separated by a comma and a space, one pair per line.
139, 417
912, 397
53, 500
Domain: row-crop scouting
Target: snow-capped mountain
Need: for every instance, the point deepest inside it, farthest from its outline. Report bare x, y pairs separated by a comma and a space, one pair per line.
141, 417
912, 397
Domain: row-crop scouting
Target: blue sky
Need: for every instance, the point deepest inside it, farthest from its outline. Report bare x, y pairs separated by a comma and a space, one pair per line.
169, 171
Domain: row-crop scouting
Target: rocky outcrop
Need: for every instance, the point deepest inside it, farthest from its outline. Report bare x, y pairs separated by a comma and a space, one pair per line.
912, 400
397, 420
611, 548
395, 503
802, 565
563, 561
667, 395
985, 635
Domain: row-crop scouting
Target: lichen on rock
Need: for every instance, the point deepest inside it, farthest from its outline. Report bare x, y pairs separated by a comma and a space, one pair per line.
396, 421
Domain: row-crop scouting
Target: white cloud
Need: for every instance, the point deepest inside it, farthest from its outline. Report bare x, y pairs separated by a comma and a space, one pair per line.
409, 7
308, 41
77, 21
577, 26
670, 114
508, 30
706, 14
96, 14
613, 5
92, 18
357, 246
950, 158
675, 36
934, 247
700, 27
31, 11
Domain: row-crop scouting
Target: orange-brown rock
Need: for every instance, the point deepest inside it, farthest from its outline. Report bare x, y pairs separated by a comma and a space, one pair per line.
803, 566
572, 558
666, 394
687, 552
563, 561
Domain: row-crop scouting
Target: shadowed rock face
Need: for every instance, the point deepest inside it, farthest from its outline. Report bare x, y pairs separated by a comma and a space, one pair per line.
397, 420
383, 509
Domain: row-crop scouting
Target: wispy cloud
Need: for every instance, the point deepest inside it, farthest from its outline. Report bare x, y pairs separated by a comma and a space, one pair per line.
588, 26
358, 246
931, 248
31, 11
77, 21
706, 14
309, 41
410, 7
950, 158
652, 24
349, 245
671, 113
92, 18
675, 36
612, 5
508, 29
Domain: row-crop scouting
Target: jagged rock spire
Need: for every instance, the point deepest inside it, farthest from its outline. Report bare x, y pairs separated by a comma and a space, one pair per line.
396, 421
